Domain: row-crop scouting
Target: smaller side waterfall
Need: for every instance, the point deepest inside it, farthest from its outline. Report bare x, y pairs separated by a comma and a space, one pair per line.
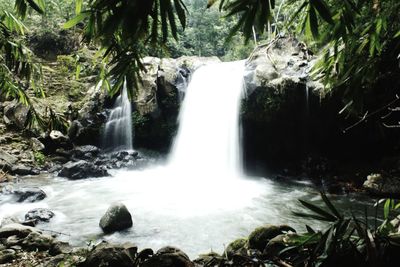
118, 129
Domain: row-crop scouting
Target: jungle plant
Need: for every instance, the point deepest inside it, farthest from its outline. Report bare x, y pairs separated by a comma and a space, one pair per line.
348, 240
39, 157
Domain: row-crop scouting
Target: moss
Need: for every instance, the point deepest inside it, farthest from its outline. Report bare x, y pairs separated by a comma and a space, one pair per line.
236, 247
39, 158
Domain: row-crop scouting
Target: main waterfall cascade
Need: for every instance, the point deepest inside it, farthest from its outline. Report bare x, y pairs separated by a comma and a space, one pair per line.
118, 129
208, 139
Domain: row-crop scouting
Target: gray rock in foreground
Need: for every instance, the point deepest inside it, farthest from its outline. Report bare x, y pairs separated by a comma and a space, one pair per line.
116, 218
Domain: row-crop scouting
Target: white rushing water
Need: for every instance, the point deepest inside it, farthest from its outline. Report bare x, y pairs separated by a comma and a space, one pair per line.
209, 132
197, 202
118, 129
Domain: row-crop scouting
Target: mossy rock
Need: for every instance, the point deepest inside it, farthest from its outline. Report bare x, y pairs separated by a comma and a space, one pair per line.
235, 247
259, 238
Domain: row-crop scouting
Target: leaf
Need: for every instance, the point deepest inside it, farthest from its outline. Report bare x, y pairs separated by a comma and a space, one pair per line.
330, 206
323, 10
33, 5
309, 229
42, 4
210, 3
78, 6
386, 208
318, 210
397, 35
311, 216
78, 18
313, 22
180, 11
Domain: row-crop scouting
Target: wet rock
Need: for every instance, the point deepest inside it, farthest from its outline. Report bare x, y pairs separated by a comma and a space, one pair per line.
168, 257
9, 220
30, 194
6, 161
36, 144
12, 241
15, 114
82, 169
23, 170
39, 214
7, 255
37, 241
108, 255
60, 248
278, 243
87, 151
236, 247
54, 141
260, 237
381, 185
209, 259
58, 136
116, 218
15, 229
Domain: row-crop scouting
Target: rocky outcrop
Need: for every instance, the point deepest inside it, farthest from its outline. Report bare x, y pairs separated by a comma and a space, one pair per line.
116, 218
82, 169
278, 97
382, 185
87, 128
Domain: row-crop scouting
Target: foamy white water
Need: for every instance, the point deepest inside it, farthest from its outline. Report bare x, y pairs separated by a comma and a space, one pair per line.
118, 129
208, 139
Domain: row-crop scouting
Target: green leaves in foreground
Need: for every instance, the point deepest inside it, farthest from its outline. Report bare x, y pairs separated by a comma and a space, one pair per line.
331, 215
124, 28
350, 241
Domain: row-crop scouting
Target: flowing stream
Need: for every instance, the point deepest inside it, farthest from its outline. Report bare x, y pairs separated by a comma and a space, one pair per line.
198, 200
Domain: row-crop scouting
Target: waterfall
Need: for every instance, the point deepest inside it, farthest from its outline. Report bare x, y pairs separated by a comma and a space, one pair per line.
118, 129
208, 138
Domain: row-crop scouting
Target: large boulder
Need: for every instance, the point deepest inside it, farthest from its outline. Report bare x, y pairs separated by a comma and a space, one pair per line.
82, 169
108, 255
168, 257
116, 218
383, 186
278, 97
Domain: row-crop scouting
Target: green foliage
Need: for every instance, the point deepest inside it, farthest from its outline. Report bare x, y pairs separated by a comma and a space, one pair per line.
39, 157
124, 28
348, 239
